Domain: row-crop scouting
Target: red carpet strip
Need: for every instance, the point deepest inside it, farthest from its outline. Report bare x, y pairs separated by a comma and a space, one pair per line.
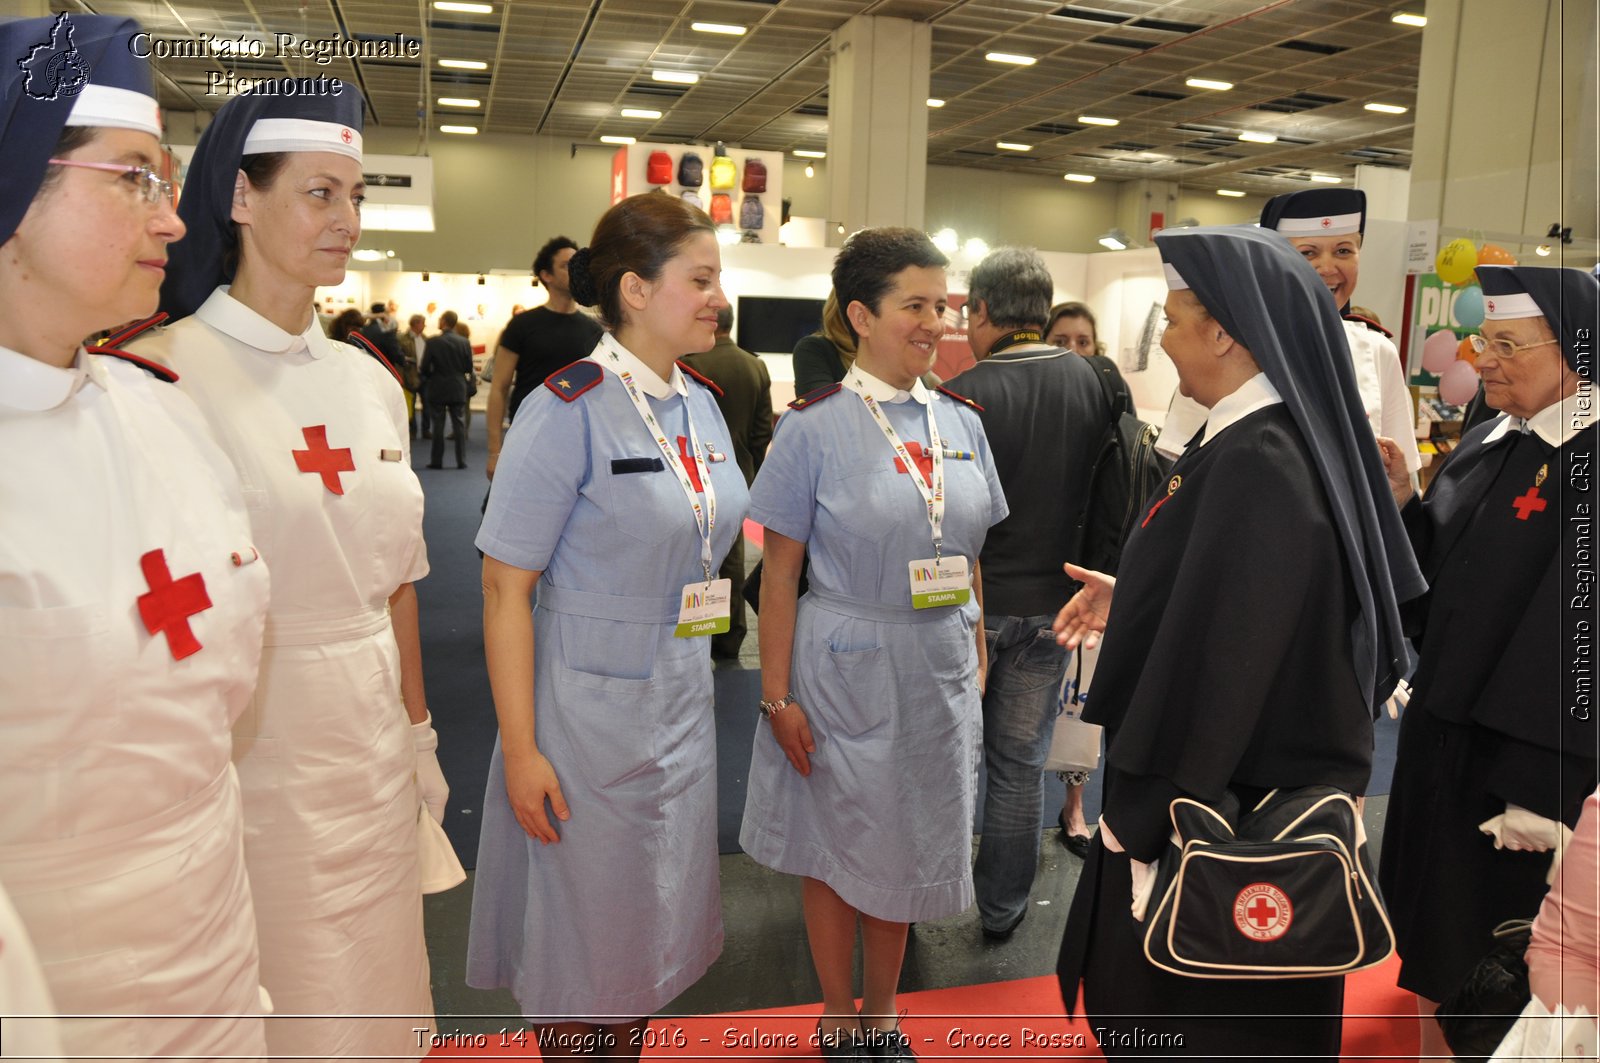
999, 1020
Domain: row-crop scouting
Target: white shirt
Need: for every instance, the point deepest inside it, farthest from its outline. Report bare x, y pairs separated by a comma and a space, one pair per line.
862, 382
1555, 424
1254, 394
646, 378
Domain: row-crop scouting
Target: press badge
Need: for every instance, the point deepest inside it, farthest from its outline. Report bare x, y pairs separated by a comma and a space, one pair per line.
937, 583
707, 609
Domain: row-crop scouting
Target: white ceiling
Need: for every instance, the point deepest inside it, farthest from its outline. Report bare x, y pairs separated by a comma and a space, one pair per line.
1302, 70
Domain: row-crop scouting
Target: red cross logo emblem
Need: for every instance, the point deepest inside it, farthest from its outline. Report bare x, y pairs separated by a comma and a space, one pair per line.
323, 461
1327, 223
690, 466
346, 136
169, 604
924, 460
1262, 912
1490, 304
1528, 504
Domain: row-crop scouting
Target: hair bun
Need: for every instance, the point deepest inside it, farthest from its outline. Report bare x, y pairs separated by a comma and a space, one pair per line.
579, 281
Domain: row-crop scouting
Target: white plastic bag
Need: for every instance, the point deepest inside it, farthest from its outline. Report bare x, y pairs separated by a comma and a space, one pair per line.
1539, 1035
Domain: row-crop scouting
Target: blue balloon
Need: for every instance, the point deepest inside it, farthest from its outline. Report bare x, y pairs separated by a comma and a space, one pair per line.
1468, 307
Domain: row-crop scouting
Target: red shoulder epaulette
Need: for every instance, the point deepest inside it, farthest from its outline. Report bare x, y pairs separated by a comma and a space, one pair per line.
811, 398
155, 369
356, 339
573, 380
960, 398
707, 381
134, 330
1371, 324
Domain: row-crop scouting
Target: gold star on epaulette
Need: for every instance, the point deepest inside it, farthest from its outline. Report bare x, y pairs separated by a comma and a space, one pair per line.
563, 383
799, 402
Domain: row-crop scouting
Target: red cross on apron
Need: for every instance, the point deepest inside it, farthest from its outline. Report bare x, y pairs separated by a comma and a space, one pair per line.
170, 603
690, 466
322, 460
923, 459
1528, 504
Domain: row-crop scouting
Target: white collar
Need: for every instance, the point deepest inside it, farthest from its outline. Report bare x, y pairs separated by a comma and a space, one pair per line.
649, 382
862, 382
1254, 394
31, 385
229, 316
1556, 424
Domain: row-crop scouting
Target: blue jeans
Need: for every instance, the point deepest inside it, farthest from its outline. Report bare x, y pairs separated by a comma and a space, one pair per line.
1019, 702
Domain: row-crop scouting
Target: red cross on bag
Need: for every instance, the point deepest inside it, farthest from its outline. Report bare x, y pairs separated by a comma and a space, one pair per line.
322, 460
169, 604
923, 458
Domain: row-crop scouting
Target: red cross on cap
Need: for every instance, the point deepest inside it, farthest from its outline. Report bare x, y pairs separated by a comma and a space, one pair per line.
346, 136
1327, 223
1490, 305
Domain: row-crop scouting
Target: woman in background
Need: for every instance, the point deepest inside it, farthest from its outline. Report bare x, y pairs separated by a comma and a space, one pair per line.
824, 357
131, 595
337, 753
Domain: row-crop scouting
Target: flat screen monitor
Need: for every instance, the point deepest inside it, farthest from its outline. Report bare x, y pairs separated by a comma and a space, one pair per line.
773, 325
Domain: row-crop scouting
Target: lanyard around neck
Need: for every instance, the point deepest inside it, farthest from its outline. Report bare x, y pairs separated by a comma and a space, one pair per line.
705, 517
932, 493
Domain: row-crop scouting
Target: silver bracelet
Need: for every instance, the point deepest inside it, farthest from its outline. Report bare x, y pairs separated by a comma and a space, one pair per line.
769, 709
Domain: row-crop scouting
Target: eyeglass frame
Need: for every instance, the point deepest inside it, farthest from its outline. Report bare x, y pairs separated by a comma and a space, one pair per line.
1482, 345
153, 188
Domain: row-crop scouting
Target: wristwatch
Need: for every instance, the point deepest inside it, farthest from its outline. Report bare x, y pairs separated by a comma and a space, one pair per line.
769, 709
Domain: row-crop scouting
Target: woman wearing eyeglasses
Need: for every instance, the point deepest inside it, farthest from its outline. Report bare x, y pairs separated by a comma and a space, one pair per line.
131, 595
1497, 748
336, 754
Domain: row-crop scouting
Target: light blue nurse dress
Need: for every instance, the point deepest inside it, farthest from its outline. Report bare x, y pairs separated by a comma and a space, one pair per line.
890, 692
624, 913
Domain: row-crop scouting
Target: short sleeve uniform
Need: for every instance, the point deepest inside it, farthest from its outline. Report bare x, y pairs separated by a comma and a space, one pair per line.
317, 432
890, 692
624, 913
120, 823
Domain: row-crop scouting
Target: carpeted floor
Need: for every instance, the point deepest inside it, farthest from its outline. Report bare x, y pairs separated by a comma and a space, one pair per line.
1019, 1019
458, 684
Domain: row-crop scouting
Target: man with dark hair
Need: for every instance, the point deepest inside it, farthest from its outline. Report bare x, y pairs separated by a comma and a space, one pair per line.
746, 403
537, 342
1045, 416
446, 366
379, 331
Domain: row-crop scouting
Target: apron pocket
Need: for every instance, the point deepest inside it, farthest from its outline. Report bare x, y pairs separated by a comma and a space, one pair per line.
610, 725
864, 689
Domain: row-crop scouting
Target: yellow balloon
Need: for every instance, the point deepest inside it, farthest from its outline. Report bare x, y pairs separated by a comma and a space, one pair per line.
1456, 261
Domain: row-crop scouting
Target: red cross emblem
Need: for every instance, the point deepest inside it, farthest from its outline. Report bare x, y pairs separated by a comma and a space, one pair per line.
323, 461
1528, 504
690, 466
924, 460
1262, 912
169, 604
1327, 223
1490, 304
346, 136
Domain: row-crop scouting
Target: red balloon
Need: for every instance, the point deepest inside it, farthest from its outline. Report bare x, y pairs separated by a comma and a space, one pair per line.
1495, 255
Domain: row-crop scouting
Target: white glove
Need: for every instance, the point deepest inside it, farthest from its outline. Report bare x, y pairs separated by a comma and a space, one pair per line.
1518, 829
1398, 700
431, 787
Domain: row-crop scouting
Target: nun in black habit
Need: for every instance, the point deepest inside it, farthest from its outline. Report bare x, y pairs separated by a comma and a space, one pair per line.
1497, 748
1254, 628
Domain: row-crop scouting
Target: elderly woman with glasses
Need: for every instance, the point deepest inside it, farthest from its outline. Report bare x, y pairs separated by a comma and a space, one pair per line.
1497, 748
131, 596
